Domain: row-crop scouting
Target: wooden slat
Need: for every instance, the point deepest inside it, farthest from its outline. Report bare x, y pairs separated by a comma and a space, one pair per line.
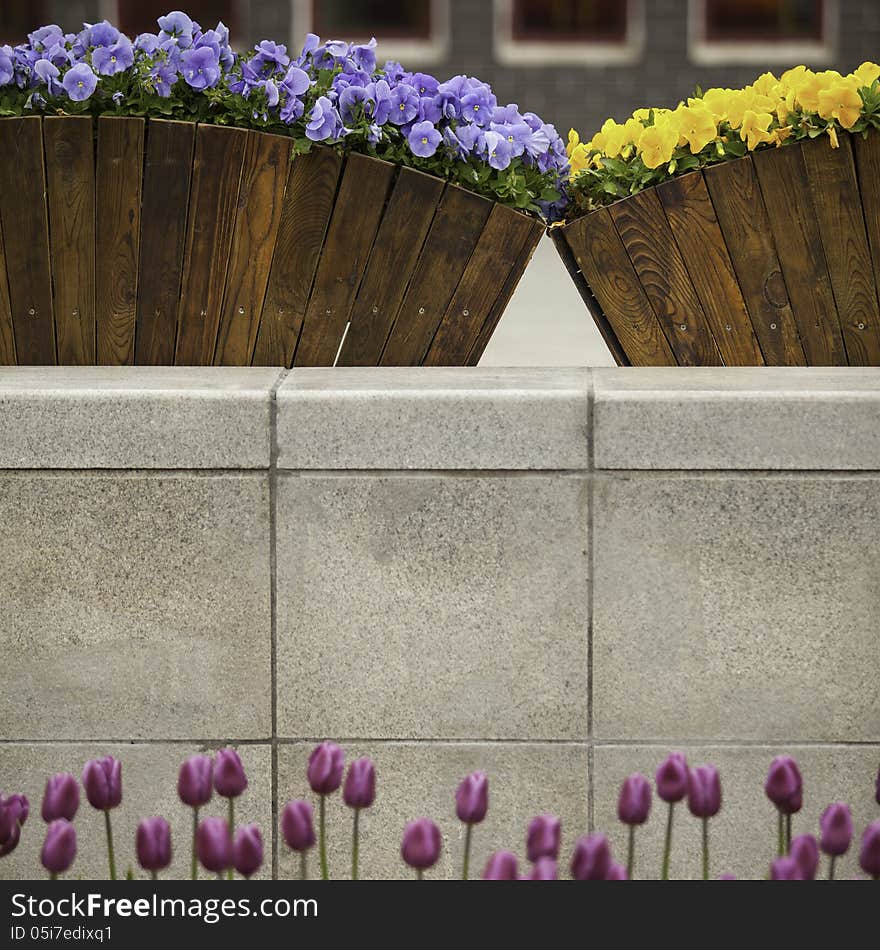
167, 175
867, 153
740, 210
603, 261
25, 225
353, 227
7, 332
308, 203
783, 181
219, 152
698, 236
832, 177
261, 194
402, 234
454, 234
118, 201
644, 230
483, 282
69, 143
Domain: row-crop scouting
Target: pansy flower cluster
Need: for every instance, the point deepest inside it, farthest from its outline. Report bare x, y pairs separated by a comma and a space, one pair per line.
330, 92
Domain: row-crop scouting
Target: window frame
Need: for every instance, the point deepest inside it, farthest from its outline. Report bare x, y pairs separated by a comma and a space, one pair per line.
519, 52
707, 52
43, 16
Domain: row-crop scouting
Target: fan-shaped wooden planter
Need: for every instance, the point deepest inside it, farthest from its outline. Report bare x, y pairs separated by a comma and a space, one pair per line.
771, 259
125, 241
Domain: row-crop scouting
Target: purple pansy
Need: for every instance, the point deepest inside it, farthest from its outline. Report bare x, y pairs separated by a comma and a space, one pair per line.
324, 122
80, 82
200, 67
176, 23
109, 60
404, 104
423, 139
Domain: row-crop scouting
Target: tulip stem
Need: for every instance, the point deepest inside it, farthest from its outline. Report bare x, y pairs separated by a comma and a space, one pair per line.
354, 846
154, 876
322, 839
53, 876
110, 855
194, 868
303, 869
705, 849
667, 847
231, 873
420, 874
831, 867
781, 842
631, 852
467, 852
787, 833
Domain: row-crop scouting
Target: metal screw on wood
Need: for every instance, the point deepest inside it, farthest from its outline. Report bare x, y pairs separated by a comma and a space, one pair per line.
328, 311
861, 325
204, 313
421, 309
684, 326
241, 309
772, 326
76, 313
465, 313
375, 309
32, 311
728, 327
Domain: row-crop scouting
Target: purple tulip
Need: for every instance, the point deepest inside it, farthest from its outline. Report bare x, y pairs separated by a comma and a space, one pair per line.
617, 872
805, 852
102, 780
544, 869
214, 845
14, 812
542, 838
704, 791
591, 859
195, 782
247, 850
836, 826
727, 876
326, 764
785, 869
472, 798
420, 847
59, 848
229, 775
153, 844
61, 797
360, 784
784, 786
877, 788
297, 825
634, 801
501, 866
869, 856
672, 778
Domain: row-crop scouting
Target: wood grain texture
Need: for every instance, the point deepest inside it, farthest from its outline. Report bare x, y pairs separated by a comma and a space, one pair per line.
119, 176
782, 178
455, 231
356, 215
867, 155
308, 203
24, 219
399, 242
219, 153
739, 208
167, 173
696, 231
68, 143
832, 177
485, 280
261, 194
7, 331
602, 259
641, 223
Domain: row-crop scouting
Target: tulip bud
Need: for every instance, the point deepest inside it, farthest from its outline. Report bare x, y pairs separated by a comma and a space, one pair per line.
360, 784
784, 786
544, 869
472, 798
591, 860
617, 872
247, 850
869, 856
836, 829
214, 845
421, 844
805, 851
195, 782
61, 797
229, 778
102, 780
501, 866
325, 768
672, 778
634, 801
153, 843
542, 838
785, 869
297, 825
704, 791
59, 848
14, 812
727, 877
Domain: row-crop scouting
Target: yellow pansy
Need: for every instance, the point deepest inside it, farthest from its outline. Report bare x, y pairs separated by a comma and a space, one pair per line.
867, 73
657, 143
755, 127
612, 138
840, 102
765, 85
696, 126
573, 141
579, 158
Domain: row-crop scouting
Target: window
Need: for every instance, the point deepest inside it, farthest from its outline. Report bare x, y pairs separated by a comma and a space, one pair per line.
542, 32
762, 31
414, 30
140, 16
18, 18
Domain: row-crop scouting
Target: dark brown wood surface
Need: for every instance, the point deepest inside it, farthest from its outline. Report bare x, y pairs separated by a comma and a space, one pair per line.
308, 203
692, 219
867, 154
167, 172
644, 230
736, 197
24, 219
603, 261
118, 180
455, 231
7, 332
399, 242
219, 153
832, 177
69, 147
359, 206
261, 194
786, 197
483, 282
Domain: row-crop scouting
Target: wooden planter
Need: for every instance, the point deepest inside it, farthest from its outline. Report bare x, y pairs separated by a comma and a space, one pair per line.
125, 241
773, 259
